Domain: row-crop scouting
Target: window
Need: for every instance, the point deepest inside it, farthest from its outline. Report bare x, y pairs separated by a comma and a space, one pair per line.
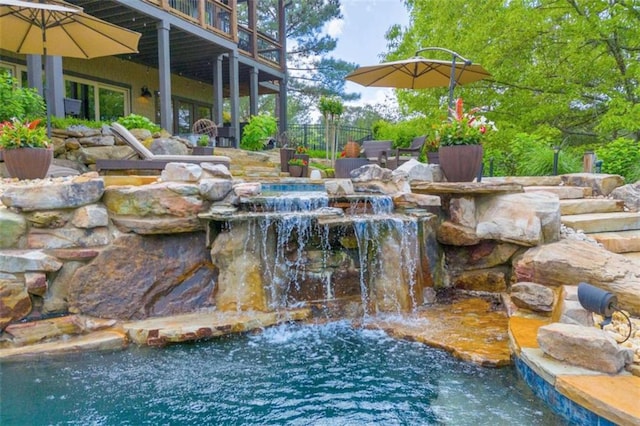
100, 101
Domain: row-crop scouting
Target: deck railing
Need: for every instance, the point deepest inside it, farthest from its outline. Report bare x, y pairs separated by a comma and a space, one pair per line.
218, 17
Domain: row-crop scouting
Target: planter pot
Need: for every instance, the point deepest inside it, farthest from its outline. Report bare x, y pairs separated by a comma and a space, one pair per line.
305, 169
344, 166
28, 163
352, 150
295, 171
433, 158
286, 154
460, 163
202, 150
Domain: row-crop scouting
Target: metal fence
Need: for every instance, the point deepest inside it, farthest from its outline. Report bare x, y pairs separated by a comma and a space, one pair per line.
312, 136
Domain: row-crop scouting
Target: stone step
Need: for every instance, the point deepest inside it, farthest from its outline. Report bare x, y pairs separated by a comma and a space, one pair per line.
107, 340
563, 192
603, 222
619, 242
590, 205
160, 331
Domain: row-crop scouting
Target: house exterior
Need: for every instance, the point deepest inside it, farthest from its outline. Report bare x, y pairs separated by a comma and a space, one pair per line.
196, 59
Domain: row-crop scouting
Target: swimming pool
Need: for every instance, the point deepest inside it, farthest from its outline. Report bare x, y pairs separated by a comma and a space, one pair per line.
330, 374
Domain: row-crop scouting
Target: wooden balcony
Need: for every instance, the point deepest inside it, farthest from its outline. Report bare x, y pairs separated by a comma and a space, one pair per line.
221, 17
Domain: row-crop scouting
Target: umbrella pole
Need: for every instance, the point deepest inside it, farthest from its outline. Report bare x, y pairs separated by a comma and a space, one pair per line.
45, 86
452, 82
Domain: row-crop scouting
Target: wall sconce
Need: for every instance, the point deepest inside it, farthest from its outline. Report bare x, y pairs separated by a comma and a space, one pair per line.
601, 302
145, 93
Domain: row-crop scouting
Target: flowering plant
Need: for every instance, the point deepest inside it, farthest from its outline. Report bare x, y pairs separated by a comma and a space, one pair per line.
463, 128
432, 144
301, 149
23, 134
298, 162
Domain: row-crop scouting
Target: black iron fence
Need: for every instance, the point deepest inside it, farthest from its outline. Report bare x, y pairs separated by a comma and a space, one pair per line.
312, 136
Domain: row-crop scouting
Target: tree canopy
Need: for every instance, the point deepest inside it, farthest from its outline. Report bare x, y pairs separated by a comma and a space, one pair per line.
566, 70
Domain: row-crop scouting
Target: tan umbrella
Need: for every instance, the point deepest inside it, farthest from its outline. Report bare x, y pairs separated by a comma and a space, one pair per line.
420, 73
57, 28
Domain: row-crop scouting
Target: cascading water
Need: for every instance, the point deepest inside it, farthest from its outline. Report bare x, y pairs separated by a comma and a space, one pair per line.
309, 252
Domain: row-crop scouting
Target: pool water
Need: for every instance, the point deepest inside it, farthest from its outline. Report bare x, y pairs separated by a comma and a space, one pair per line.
329, 374
292, 187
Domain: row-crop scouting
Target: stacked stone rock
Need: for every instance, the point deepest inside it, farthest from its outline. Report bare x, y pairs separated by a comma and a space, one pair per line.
132, 252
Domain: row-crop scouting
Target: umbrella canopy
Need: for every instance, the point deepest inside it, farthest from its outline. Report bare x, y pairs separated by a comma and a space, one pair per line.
420, 73
56, 28
59, 29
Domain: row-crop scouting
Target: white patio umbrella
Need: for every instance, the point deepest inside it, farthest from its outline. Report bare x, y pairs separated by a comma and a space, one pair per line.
57, 28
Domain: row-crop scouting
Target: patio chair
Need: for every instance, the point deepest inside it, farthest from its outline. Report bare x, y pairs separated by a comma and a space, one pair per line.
377, 152
151, 161
398, 156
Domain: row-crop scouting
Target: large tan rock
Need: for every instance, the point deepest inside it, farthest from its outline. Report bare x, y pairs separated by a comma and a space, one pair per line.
630, 194
159, 199
12, 227
79, 191
15, 303
67, 238
240, 282
532, 296
600, 184
526, 219
569, 262
137, 277
457, 235
27, 260
587, 347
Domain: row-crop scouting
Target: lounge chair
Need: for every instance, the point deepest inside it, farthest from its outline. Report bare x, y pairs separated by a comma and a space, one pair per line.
377, 152
399, 155
149, 160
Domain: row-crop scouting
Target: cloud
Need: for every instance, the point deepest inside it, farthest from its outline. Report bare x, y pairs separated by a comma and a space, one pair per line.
334, 27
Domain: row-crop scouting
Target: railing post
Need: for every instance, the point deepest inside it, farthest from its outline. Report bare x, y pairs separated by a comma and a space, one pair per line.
201, 13
305, 134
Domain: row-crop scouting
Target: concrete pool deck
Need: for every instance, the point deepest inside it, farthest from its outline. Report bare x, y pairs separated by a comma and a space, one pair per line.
566, 388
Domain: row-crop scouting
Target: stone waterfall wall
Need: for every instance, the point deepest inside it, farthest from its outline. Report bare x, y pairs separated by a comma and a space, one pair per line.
131, 252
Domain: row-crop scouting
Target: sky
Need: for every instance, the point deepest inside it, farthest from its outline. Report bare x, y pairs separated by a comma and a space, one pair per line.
361, 38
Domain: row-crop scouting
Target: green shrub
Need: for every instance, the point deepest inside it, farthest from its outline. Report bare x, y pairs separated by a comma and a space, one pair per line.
135, 121
66, 122
621, 157
19, 102
259, 129
402, 133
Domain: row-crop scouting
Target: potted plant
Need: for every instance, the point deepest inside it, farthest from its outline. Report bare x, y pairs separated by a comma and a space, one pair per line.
202, 146
26, 149
460, 148
297, 166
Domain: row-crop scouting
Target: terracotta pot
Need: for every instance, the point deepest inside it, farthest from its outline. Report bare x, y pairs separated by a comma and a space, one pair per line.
460, 163
28, 163
295, 171
352, 150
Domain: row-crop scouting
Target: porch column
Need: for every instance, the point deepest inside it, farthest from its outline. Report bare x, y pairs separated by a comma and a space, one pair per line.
282, 93
234, 95
34, 72
54, 86
218, 95
253, 91
164, 76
